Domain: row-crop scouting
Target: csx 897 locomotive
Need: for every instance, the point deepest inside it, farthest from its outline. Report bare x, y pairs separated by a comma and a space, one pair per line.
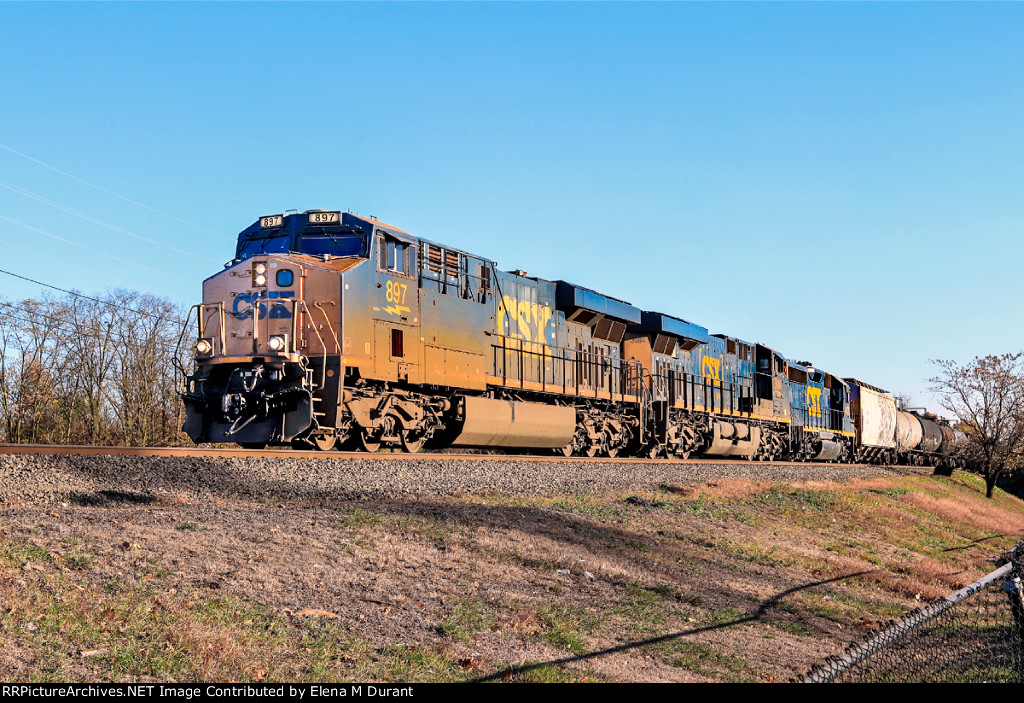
333, 330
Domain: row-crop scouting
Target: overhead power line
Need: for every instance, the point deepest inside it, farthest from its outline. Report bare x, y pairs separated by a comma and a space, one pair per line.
69, 326
89, 297
110, 192
87, 218
47, 257
82, 246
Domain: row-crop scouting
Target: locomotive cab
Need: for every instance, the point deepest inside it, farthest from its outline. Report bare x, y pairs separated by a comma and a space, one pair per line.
268, 358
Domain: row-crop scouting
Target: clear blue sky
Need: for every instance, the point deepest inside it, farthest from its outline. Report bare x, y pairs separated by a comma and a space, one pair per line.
841, 181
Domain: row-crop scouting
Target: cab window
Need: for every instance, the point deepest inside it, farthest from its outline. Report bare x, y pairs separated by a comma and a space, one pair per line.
394, 255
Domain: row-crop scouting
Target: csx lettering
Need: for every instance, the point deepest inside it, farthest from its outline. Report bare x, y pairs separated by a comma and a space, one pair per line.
711, 367
276, 311
524, 320
814, 401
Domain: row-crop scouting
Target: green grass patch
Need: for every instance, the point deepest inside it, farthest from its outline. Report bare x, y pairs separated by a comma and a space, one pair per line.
703, 660
19, 554
79, 562
787, 500
566, 627
587, 506
720, 617
357, 518
467, 617
708, 508
550, 673
642, 608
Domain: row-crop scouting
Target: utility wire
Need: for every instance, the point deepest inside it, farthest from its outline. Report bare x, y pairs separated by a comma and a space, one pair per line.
68, 326
87, 218
88, 297
110, 192
82, 246
47, 257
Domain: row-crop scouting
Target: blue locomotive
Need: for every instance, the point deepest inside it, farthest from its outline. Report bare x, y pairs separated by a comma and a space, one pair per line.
329, 330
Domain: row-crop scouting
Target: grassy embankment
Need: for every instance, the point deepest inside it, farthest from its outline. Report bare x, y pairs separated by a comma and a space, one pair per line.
731, 581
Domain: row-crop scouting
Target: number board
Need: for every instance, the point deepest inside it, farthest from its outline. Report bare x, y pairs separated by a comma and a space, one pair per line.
324, 218
270, 221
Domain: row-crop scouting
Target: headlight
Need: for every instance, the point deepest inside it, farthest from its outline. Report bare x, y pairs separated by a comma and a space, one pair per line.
261, 268
261, 280
203, 347
277, 342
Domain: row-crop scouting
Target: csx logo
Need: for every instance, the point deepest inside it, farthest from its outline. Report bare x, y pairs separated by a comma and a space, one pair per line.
275, 311
711, 368
525, 320
814, 401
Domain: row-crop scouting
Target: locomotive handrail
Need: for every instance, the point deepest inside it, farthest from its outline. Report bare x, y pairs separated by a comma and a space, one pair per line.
323, 368
295, 302
199, 307
611, 369
684, 387
830, 420
176, 361
319, 305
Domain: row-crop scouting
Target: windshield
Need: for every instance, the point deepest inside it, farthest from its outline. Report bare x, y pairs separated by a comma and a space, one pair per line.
333, 244
263, 245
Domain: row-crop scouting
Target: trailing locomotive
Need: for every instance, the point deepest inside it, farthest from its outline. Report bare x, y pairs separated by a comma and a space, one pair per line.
331, 330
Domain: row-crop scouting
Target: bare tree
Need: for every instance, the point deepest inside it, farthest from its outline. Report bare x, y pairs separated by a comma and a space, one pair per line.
92, 349
986, 396
142, 393
34, 347
90, 370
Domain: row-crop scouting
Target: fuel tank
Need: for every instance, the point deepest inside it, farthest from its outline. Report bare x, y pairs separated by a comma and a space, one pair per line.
487, 422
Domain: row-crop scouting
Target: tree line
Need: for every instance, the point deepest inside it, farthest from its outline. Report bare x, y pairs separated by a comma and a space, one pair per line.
90, 370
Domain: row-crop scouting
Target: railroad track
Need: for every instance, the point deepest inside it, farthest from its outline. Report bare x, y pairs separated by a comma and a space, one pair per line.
90, 475
239, 453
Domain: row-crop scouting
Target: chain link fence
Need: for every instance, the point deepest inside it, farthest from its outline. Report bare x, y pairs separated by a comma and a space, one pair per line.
973, 635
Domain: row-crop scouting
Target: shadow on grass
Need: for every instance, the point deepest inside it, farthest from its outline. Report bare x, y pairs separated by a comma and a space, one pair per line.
761, 611
975, 543
110, 497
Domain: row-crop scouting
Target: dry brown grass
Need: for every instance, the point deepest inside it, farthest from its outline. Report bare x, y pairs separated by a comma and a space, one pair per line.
748, 580
966, 508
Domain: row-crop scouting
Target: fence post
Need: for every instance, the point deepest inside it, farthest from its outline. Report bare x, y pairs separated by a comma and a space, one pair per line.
1015, 591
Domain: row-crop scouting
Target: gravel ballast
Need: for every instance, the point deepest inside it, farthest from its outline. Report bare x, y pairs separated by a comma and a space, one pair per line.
29, 478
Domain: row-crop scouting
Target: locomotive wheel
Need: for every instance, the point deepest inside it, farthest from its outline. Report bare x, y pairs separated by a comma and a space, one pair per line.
591, 450
367, 442
412, 441
566, 450
324, 443
612, 452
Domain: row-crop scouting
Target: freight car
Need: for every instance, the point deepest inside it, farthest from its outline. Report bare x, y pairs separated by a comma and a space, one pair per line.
329, 330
